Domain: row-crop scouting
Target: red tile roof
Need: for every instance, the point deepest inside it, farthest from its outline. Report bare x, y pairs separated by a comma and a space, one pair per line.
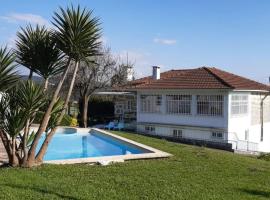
199, 78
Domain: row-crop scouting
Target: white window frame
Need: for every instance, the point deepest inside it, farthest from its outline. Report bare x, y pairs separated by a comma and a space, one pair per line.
217, 135
150, 103
129, 105
178, 104
150, 129
177, 133
210, 105
239, 104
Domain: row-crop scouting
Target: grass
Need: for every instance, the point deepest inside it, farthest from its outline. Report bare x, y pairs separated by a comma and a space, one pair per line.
192, 173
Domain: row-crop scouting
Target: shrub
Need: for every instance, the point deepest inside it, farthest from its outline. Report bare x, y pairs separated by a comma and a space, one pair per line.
69, 121
73, 122
66, 121
265, 156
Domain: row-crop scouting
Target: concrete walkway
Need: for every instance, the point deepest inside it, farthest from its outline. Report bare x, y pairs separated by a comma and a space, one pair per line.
3, 154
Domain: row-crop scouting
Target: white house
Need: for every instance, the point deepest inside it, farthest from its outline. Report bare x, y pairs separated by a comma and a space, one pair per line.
204, 104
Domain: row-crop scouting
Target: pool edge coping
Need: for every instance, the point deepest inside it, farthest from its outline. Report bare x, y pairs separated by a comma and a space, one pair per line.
155, 153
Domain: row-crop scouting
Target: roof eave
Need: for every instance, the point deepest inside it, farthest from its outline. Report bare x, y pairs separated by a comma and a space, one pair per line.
249, 90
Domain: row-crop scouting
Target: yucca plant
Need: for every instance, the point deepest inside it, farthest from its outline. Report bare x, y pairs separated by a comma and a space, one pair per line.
17, 110
8, 75
36, 49
77, 35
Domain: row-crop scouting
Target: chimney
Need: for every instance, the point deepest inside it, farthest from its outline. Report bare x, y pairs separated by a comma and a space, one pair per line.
130, 73
156, 73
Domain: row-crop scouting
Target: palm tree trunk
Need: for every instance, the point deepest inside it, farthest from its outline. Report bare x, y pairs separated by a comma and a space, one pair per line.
25, 137
15, 161
46, 82
44, 147
45, 120
7, 145
85, 111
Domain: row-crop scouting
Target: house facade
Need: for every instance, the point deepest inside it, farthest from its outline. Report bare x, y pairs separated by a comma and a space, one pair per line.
204, 104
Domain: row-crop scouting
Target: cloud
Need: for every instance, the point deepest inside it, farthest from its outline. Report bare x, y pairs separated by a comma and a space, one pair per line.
25, 17
11, 41
164, 41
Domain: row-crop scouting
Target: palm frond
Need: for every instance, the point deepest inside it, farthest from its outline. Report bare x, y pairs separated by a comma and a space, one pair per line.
36, 50
30, 97
8, 75
77, 32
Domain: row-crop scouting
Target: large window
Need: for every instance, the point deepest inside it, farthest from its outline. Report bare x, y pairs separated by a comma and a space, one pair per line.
211, 105
239, 104
151, 103
178, 104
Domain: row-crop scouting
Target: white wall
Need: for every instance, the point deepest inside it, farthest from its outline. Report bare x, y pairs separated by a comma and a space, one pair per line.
234, 126
177, 119
237, 125
187, 132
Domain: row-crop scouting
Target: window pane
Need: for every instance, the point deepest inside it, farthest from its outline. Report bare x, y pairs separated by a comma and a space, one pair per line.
239, 104
151, 103
211, 105
178, 104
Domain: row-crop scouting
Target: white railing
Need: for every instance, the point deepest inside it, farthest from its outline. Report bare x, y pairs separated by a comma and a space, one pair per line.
243, 145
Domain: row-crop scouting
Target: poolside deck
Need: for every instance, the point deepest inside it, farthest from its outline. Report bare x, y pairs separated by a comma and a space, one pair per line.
3, 154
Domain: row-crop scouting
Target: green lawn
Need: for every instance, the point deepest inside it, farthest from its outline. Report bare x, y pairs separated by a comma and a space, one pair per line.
192, 173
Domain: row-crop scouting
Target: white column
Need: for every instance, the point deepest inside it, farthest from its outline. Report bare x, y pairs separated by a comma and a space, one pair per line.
193, 105
163, 108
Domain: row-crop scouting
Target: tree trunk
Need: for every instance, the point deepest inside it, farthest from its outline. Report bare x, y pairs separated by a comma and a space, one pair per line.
45, 120
43, 149
46, 82
24, 145
30, 75
85, 111
15, 161
7, 145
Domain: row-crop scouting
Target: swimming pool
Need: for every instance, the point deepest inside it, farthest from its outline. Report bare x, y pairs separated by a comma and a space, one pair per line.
80, 145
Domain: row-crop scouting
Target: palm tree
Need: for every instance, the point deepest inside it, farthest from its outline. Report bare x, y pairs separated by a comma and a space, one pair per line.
8, 78
77, 35
17, 108
8, 75
36, 50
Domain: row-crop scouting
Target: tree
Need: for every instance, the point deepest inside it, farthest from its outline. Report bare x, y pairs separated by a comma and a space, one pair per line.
36, 49
103, 72
8, 75
8, 78
18, 106
77, 35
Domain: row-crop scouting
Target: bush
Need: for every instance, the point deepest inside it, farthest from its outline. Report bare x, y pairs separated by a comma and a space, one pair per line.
74, 122
265, 156
66, 121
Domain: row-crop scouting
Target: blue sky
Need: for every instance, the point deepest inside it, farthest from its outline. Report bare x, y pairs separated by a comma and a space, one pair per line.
233, 35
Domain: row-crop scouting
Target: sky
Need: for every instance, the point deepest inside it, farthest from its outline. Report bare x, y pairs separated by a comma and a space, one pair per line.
233, 35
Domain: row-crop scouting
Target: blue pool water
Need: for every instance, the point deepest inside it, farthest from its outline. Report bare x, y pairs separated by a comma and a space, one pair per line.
68, 145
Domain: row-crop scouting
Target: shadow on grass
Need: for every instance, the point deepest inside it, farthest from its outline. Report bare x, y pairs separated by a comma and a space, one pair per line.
256, 193
40, 190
